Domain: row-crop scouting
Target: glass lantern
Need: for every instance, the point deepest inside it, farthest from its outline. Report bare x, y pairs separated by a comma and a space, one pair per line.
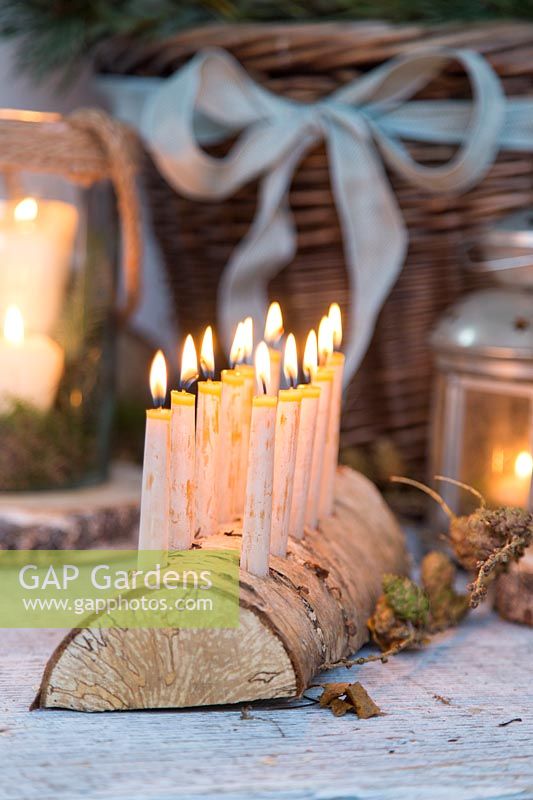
58, 287
482, 432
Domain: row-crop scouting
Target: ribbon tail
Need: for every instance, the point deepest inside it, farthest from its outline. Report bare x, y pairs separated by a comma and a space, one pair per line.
269, 245
375, 238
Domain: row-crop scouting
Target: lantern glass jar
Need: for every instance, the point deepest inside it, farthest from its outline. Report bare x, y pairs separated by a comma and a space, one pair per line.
57, 331
482, 432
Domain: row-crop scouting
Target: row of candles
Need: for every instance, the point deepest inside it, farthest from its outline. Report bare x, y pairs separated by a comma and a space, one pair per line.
246, 448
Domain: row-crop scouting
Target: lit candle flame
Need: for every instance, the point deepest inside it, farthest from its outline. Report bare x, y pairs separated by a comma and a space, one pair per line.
290, 360
335, 318
523, 465
207, 355
14, 326
310, 363
248, 338
236, 354
189, 363
26, 210
325, 340
274, 324
262, 367
158, 379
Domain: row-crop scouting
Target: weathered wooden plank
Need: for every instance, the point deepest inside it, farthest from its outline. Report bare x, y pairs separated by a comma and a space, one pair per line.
421, 749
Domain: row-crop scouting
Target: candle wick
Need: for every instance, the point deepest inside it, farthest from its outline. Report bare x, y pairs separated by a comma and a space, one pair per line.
264, 385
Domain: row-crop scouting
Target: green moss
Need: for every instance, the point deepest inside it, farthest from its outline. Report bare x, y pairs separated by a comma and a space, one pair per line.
408, 601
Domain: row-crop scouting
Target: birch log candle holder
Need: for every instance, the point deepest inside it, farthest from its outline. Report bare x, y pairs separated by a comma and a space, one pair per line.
310, 611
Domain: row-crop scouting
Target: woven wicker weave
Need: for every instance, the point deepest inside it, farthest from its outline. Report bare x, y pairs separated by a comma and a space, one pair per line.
390, 396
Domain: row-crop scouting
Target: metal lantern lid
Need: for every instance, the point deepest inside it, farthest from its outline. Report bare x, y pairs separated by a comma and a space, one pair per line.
505, 250
490, 332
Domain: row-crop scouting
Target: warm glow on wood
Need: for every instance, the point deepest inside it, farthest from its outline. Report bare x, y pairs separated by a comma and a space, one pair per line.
158, 379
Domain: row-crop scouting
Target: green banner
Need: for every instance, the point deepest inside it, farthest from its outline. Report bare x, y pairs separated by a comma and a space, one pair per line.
119, 588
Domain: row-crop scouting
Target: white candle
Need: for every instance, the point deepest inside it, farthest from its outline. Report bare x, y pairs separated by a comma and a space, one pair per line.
259, 483
36, 253
30, 366
248, 374
207, 443
230, 443
153, 527
287, 422
182, 454
327, 488
329, 337
324, 379
304, 457
182, 449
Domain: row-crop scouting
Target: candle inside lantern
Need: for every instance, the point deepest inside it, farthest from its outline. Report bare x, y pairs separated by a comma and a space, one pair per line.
273, 334
331, 341
182, 454
154, 520
511, 478
207, 442
259, 484
31, 365
287, 424
36, 247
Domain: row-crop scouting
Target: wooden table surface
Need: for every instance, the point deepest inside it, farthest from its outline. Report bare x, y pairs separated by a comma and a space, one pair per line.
443, 735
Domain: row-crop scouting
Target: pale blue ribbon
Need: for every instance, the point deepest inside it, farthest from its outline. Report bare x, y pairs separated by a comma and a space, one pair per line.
363, 123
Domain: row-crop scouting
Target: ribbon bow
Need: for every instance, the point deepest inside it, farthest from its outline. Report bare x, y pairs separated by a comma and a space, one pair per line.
212, 98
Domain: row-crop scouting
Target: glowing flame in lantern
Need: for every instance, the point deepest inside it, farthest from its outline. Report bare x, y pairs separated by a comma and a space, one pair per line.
236, 354
158, 379
325, 340
26, 210
248, 338
523, 465
189, 363
207, 355
310, 363
262, 367
335, 318
274, 324
14, 326
290, 360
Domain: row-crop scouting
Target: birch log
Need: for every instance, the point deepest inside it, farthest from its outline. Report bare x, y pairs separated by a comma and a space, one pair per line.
311, 610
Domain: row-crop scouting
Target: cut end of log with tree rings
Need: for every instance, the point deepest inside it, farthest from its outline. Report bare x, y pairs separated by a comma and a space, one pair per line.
310, 610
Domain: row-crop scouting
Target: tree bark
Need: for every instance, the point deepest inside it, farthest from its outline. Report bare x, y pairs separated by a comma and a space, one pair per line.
310, 610
513, 597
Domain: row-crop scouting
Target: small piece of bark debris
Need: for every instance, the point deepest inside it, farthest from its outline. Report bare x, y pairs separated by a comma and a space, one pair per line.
509, 722
444, 700
332, 691
340, 707
364, 706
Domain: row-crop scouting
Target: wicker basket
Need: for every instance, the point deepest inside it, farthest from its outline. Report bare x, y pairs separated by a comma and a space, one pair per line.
390, 396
